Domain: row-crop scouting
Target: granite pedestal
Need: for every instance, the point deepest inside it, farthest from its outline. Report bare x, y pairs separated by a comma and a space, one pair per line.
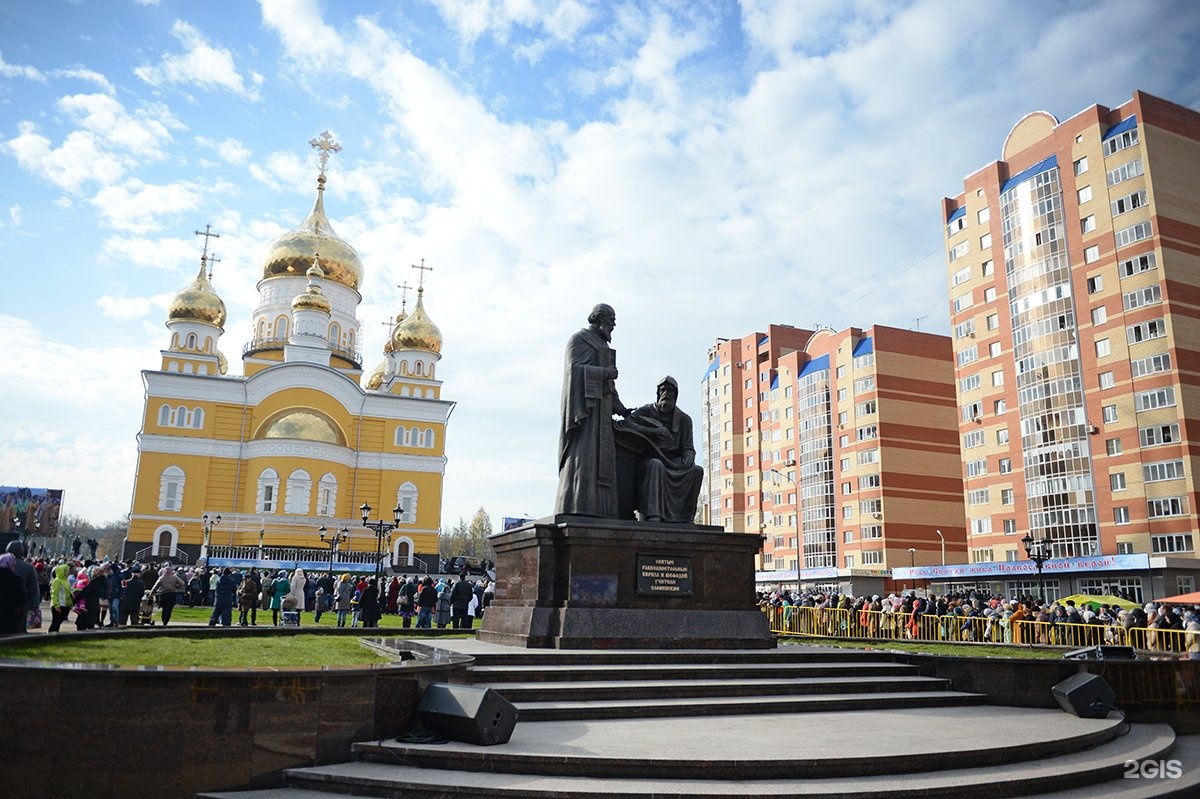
572, 582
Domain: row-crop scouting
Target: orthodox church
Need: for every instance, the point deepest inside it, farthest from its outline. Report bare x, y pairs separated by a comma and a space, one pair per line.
278, 460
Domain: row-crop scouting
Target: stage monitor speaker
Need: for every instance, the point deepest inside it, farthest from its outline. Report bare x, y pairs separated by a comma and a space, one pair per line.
468, 714
1084, 695
1103, 652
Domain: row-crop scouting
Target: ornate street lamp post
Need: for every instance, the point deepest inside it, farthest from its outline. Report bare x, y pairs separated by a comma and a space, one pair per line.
381, 529
334, 540
1038, 550
209, 524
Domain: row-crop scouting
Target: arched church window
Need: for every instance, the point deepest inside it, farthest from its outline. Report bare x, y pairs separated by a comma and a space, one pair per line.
335, 335
197, 418
187, 368
401, 436
268, 491
202, 369
170, 489
164, 416
281, 327
299, 492
208, 343
427, 441
327, 495
404, 391
420, 369
406, 498
261, 331
191, 342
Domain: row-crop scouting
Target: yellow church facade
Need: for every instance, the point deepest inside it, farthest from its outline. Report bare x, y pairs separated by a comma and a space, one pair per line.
303, 437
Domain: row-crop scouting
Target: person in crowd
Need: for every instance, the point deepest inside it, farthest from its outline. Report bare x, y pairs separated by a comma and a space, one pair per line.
442, 609
356, 605
258, 586
460, 599
318, 603
247, 595
427, 602
393, 595
131, 597
368, 604
195, 589
28, 577
166, 590
13, 602
343, 593
407, 602
224, 595
279, 587
61, 595
1191, 639
327, 582
213, 579
299, 580
87, 598
310, 594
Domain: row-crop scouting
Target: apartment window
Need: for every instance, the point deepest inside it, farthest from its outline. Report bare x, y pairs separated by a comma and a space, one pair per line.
848, 560
844, 465
868, 456
1163, 470
969, 383
1159, 398
841, 371
847, 512
1006, 496
999, 406
1127, 236
986, 268
843, 417
1091, 254
843, 441
848, 537
998, 377
955, 225
958, 251
964, 301
1138, 264
865, 408
749, 383
980, 496
1085, 194
989, 294
969, 355
993, 321
961, 276
972, 411
872, 557
985, 241
1120, 142
1109, 413
977, 468
1177, 542
870, 507
1002, 436
871, 532
1116, 481
1112, 446
868, 481
1151, 295
1167, 506
1099, 315
863, 361
1129, 202
982, 555
864, 384
1081, 165
1158, 435
1010, 528
1005, 465
841, 395
847, 488
1103, 348
994, 349
973, 439
867, 432
981, 526
1130, 169
1087, 224
1107, 380
1125, 547
1095, 283
984, 215
964, 329
1121, 516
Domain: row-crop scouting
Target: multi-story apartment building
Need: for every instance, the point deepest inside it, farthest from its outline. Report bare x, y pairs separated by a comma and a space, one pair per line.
840, 448
1074, 271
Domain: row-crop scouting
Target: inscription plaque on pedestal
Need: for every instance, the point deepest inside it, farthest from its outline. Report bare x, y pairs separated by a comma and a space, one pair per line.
664, 575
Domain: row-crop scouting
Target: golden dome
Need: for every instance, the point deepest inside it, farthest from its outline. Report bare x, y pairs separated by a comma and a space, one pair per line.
389, 345
312, 298
417, 331
222, 363
197, 302
290, 254
375, 380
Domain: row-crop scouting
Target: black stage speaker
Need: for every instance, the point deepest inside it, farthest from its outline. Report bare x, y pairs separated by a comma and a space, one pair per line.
1084, 695
468, 714
1103, 652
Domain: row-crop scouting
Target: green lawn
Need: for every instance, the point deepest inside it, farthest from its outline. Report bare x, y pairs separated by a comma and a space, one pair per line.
922, 648
201, 650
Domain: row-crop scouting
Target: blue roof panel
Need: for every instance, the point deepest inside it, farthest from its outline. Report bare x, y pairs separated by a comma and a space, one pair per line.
775, 381
712, 367
865, 346
962, 210
1128, 123
1036, 169
815, 365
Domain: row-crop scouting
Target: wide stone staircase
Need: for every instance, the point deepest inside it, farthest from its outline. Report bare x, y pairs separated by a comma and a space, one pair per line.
795, 721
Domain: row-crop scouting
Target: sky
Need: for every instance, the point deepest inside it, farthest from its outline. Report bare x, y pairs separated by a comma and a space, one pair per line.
707, 167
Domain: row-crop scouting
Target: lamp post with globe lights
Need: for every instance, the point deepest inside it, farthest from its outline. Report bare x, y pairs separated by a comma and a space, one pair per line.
381, 529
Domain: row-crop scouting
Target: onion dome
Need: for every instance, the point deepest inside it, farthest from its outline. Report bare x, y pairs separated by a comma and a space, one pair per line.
290, 254
222, 363
312, 298
197, 302
389, 346
375, 380
417, 331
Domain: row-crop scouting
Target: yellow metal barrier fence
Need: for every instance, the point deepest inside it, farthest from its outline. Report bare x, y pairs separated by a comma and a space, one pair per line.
875, 625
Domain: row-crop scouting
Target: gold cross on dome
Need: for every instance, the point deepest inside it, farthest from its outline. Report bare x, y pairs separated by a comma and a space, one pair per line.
207, 234
212, 259
423, 269
327, 146
404, 289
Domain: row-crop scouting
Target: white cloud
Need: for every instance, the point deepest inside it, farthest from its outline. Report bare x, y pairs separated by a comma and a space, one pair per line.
16, 71
91, 76
561, 20
201, 65
135, 206
14, 215
285, 169
126, 308
164, 253
230, 150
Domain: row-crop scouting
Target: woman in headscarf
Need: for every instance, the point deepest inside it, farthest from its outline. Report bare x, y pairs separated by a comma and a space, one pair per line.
89, 597
393, 594
61, 595
12, 597
368, 604
281, 588
297, 590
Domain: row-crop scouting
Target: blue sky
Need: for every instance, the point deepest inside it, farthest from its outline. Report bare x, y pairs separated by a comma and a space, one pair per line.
708, 168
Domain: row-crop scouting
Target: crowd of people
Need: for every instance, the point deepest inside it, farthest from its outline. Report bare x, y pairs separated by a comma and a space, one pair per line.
978, 616
112, 594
